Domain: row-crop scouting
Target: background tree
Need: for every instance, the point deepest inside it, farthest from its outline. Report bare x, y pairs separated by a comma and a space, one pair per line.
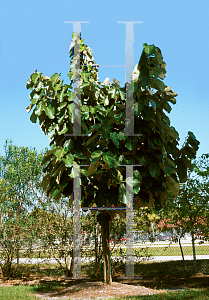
144, 218
17, 168
189, 211
52, 227
103, 110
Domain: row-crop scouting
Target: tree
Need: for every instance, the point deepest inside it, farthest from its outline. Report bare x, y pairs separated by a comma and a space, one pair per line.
17, 169
51, 227
145, 217
103, 110
21, 173
189, 211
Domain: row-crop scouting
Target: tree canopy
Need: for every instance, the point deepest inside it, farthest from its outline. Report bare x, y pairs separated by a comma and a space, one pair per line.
103, 116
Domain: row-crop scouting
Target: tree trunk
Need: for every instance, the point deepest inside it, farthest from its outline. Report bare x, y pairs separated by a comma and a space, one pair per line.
69, 271
18, 258
185, 269
96, 245
194, 255
106, 253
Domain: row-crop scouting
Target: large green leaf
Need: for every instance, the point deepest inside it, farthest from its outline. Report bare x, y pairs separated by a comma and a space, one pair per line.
181, 170
121, 136
58, 86
64, 179
64, 129
190, 152
61, 116
131, 142
52, 185
39, 108
109, 158
166, 106
187, 162
122, 94
154, 169
85, 112
60, 153
85, 76
48, 155
158, 84
33, 116
28, 109
55, 192
152, 144
168, 168
79, 156
116, 116
159, 72
112, 91
50, 111
149, 49
39, 86
69, 144
52, 131
138, 175
45, 181
153, 103
158, 56
35, 77
135, 186
54, 78
85, 85
96, 154
193, 141
172, 185
62, 93
114, 137
172, 132
68, 160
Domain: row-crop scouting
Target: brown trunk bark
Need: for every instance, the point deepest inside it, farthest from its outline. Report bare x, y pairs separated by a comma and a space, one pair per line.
69, 269
106, 253
194, 255
185, 269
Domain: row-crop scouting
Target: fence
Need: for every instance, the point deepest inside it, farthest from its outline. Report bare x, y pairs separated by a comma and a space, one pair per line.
146, 250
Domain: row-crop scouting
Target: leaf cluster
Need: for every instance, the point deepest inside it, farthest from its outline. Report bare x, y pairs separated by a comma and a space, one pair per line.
189, 210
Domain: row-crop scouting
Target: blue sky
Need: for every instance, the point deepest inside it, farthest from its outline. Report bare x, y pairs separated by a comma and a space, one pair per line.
34, 35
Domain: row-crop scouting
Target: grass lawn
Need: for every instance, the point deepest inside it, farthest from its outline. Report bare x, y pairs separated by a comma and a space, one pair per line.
142, 251
168, 251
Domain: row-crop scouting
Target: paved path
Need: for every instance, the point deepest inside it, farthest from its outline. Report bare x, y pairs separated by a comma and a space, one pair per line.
86, 260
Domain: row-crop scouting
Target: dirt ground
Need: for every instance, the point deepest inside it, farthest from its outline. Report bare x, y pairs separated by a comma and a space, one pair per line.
167, 282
